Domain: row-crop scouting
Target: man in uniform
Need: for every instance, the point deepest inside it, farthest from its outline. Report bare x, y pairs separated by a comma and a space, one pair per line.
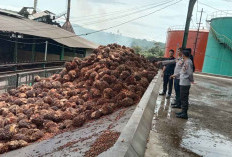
168, 71
179, 64
186, 78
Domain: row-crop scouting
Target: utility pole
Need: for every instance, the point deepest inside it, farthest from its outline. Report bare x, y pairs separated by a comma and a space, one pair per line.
198, 29
189, 15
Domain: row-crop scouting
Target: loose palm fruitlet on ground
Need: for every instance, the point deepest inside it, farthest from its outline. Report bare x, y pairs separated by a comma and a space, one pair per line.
112, 77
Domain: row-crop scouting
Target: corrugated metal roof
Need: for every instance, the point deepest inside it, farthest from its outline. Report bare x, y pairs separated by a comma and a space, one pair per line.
39, 29
9, 12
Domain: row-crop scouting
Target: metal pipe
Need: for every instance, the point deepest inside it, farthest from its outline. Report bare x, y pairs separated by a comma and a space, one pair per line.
68, 10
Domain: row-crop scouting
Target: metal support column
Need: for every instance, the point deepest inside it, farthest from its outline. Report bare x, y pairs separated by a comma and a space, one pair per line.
85, 52
62, 53
189, 16
68, 10
33, 52
15, 53
74, 52
46, 52
17, 80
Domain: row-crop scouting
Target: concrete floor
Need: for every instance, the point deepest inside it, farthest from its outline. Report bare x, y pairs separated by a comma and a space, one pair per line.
207, 132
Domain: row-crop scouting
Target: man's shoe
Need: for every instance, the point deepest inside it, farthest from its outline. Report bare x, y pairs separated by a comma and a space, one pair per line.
183, 116
176, 106
179, 113
168, 96
173, 104
162, 93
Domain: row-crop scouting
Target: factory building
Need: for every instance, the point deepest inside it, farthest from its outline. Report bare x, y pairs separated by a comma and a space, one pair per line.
25, 40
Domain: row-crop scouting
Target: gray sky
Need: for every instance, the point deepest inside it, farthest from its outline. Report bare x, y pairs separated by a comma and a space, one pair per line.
153, 27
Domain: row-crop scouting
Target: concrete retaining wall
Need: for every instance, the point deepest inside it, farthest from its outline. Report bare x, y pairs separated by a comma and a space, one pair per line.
133, 139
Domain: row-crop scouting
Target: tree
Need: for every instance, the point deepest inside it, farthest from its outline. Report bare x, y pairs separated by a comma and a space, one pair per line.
154, 51
137, 49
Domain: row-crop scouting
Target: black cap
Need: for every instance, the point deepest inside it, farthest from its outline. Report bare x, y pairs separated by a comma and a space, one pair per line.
187, 52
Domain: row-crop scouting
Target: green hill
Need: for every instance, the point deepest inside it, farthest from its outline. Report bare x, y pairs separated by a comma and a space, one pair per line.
142, 46
104, 38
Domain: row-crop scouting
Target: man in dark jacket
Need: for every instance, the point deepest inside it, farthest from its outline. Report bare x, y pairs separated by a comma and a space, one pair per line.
168, 71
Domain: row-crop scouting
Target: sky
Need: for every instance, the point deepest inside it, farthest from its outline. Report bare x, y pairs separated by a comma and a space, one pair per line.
95, 14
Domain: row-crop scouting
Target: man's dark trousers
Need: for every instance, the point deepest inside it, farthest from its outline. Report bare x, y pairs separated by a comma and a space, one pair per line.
167, 82
184, 97
177, 90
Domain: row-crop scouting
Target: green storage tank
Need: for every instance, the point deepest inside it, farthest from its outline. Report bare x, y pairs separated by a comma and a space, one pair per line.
218, 55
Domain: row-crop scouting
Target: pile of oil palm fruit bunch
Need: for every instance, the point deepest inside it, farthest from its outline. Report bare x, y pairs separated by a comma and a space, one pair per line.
112, 77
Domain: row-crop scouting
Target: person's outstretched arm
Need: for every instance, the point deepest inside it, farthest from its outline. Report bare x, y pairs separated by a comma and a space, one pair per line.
167, 62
